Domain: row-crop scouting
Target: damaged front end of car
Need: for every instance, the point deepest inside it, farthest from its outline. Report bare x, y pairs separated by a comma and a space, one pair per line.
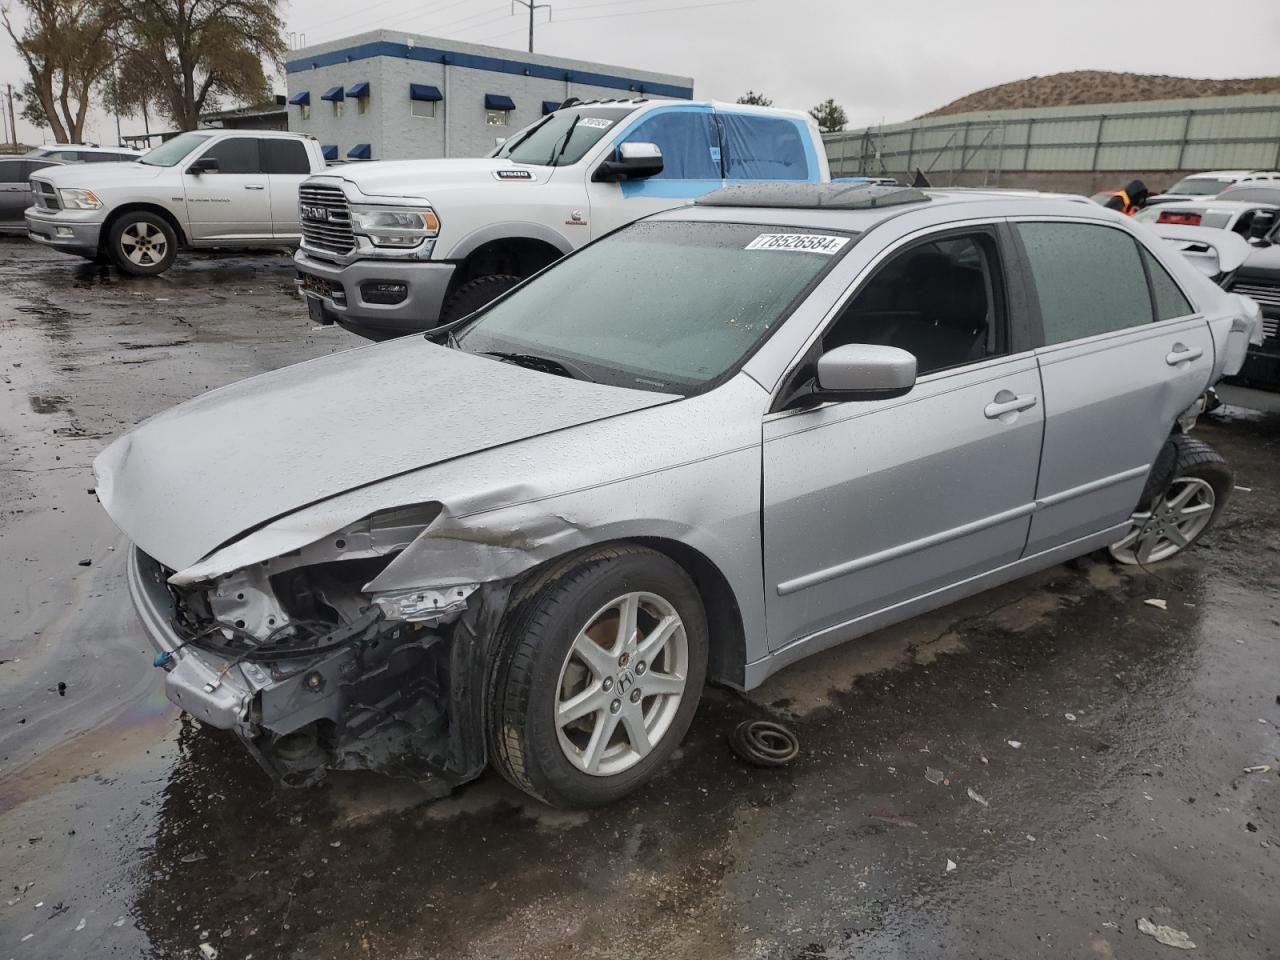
316, 664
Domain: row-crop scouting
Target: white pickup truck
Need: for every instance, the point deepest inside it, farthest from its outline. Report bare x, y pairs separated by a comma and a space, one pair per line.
205, 188
389, 248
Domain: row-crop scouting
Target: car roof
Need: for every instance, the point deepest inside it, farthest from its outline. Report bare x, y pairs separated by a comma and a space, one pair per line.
81, 148
822, 210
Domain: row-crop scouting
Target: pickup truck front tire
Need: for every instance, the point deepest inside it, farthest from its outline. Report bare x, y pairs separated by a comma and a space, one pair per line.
474, 294
142, 243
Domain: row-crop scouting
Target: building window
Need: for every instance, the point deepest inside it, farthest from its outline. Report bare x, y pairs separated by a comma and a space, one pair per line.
497, 109
364, 104
423, 108
306, 111
337, 108
496, 118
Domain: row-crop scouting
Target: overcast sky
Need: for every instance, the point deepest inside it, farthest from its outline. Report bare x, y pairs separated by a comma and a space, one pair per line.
882, 61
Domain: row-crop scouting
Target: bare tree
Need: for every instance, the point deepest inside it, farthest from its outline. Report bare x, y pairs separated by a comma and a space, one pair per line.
66, 46
188, 56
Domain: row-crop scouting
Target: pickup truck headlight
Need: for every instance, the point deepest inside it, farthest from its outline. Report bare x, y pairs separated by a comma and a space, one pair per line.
76, 199
395, 226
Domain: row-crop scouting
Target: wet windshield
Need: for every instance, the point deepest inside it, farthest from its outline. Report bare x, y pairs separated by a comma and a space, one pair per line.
1200, 186
662, 306
562, 138
171, 152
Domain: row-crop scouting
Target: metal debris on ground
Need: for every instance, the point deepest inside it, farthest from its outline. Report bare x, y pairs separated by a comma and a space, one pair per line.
1260, 768
1016, 744
976, 797
764, 743
934, 775
951, 865
1157, 603
85, 563
1166, 935
1070, 716
209, 951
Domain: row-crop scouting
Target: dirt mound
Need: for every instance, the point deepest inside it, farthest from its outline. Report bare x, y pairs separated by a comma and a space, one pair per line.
1099, 86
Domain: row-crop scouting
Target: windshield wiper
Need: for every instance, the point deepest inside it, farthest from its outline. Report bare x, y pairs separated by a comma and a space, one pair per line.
508, 148
532, 361
554, 159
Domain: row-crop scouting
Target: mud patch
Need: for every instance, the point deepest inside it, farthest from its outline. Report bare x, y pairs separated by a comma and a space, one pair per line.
47, 404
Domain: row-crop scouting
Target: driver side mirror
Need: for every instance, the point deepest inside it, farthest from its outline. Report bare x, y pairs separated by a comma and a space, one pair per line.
203, 165
635, 162
864, 371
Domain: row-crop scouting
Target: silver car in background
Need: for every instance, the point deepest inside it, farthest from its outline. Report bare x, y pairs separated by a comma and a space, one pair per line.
710, 444
15, 190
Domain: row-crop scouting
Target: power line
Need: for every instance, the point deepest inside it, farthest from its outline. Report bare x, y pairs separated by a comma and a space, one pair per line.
639, 13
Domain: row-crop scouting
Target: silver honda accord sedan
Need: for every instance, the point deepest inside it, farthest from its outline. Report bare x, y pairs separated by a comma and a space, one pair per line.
706, 446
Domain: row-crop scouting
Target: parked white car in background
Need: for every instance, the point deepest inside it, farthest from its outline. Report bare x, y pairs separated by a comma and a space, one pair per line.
1200, 186
83, 153
1234, 215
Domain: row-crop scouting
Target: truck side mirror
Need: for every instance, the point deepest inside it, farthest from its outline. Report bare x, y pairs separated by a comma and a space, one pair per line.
1261, 225
203, 165
635, 161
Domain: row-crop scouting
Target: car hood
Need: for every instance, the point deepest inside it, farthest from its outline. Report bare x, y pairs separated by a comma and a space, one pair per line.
418, 178
1263, 263
200, 475
96, 176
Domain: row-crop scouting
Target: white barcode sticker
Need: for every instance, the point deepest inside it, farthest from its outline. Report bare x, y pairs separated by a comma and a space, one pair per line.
595, 123
803, 242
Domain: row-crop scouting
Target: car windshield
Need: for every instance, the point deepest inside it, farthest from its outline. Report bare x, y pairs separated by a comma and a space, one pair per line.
563, 137
1200, 186
663, 306
171, 152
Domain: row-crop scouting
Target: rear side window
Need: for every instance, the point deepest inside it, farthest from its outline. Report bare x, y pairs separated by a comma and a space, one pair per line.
1089, 279
237, 155
688, 140
285, 156
1170, 302
762, 148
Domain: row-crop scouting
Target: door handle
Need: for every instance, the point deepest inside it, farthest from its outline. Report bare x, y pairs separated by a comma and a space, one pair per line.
1007, 402
254, 186
1181, 353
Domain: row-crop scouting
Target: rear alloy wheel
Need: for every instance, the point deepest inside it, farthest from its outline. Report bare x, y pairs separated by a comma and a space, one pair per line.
1175, 519
142, 244
598, 675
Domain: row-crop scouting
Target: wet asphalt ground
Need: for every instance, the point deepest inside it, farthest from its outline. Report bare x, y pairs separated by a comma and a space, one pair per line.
1078, 755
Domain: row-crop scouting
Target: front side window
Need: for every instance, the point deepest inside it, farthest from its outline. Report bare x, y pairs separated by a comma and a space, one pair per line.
235, 155
171, 152
940, 301
1089, 279
599, 314
689, 142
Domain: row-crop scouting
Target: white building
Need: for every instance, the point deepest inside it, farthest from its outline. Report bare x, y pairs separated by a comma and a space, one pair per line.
386, 95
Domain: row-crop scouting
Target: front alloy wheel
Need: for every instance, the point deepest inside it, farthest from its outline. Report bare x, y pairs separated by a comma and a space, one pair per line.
598, 671
142, 243
621, 684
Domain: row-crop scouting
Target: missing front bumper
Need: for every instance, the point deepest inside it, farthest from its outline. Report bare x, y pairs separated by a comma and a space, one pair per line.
400, 698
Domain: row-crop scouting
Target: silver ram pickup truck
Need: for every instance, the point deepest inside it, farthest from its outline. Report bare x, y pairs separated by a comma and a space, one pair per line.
202, 189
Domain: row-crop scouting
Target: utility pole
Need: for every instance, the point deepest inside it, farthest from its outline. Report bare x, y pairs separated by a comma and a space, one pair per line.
13, 125
532, 7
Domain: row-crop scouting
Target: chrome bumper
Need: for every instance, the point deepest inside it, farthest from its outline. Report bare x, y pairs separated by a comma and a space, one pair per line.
73, 236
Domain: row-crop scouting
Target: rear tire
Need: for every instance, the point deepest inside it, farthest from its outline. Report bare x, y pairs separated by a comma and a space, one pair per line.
585, 709
1180, 513
477, 293
142, 244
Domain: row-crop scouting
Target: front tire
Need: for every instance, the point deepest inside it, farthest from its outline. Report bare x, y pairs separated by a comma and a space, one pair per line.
597, 677
142, 244
477, 293
1179, 515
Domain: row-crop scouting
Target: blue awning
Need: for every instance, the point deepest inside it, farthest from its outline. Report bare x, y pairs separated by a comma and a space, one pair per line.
333, 93
329, 151
424, 91
496, 101
550, 106
361, 151
302, 99
359, 90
